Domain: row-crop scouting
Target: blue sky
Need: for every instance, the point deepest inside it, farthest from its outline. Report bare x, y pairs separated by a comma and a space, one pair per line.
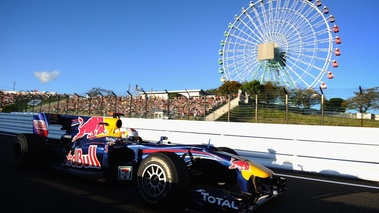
71, 46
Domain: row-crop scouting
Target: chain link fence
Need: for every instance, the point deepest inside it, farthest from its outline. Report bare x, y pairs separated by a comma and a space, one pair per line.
254, 108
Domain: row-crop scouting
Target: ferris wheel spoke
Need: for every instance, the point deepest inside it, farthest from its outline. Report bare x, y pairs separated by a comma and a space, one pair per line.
237, 30
260, 23
299, 77
304, 72
255, 27
264, 18
317, 22
255, 37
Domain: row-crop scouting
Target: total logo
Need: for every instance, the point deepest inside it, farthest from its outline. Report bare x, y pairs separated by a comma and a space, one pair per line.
79, 160
219, 201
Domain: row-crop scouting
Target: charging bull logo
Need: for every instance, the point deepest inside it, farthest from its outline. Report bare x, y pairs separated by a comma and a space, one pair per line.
239, 164
91, 128
248, 169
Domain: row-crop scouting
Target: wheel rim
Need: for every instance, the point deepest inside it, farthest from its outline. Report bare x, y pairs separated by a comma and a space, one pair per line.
154, 180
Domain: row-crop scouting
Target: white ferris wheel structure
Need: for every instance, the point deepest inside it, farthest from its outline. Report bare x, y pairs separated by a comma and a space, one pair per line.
292, 43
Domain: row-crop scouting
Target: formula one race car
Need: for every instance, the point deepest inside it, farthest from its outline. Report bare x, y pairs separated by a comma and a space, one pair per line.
201, 178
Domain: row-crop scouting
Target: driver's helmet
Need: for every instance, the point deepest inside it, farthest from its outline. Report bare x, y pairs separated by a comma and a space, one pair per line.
128, 132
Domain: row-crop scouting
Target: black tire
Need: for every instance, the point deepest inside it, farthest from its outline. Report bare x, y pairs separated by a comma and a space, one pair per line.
163, 178
27, 149
228, 150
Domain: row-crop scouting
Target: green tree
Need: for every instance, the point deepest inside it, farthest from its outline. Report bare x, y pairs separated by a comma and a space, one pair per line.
335, 105
229, 87
364, 100
252, 87
267, 92
304, 98
270, 92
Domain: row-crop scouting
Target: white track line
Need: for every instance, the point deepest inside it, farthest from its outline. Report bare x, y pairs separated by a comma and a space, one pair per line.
329, 181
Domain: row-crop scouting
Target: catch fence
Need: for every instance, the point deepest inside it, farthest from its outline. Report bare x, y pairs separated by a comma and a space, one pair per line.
252, 109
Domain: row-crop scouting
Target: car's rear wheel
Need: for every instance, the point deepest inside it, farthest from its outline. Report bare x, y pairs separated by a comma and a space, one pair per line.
163, 178
27, 149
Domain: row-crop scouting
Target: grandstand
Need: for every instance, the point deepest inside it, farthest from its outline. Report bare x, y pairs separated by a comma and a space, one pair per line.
180, 104
184, 104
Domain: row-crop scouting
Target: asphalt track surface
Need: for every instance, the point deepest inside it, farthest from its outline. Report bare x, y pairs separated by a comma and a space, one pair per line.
44, 190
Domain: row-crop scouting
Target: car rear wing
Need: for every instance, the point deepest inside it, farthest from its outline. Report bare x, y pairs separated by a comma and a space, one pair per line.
44, 124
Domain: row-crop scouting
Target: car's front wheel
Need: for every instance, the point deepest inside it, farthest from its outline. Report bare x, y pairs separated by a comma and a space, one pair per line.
163, 178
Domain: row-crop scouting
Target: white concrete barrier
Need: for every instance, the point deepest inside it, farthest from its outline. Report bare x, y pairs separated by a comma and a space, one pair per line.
343, 151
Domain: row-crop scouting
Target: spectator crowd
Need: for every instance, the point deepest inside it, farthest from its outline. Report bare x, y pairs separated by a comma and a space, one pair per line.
180, 107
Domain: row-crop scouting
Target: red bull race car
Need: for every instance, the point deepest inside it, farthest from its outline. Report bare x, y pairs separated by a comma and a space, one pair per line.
198, 178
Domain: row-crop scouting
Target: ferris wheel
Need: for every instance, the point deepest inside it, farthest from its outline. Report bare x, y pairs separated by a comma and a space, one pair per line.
291, 43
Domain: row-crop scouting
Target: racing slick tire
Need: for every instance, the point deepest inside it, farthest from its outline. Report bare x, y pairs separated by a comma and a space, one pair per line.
163, 180
27, 149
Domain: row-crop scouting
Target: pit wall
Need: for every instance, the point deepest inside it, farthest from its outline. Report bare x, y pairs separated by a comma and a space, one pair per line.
342, 151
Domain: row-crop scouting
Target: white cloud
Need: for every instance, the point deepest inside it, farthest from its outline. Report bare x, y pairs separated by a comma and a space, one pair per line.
46, 76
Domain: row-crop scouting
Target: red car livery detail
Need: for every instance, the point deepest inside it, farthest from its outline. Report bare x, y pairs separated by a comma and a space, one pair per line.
79, 160
40, 126
239, 164
92, 127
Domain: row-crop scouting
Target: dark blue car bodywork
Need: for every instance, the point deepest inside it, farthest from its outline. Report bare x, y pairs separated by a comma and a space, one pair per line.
213, 179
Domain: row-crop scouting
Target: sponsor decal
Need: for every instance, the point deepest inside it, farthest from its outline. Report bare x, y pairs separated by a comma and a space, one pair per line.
124, 172
91, 128
219, 201
80, 160
40, 126
239, 164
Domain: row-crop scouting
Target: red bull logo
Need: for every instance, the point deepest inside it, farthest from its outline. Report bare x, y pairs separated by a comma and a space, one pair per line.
79, 160
91, 128
248, 169
239, 164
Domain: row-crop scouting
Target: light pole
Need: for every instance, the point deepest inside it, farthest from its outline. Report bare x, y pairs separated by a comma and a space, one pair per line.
256, 107
188, 104
115, 102
67, 99
59, 98
168, 104
205, 101
49, 102
77, 103
130, 104
286, 94
228, 105
101, 104
145, 102
361, 105
322, 105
